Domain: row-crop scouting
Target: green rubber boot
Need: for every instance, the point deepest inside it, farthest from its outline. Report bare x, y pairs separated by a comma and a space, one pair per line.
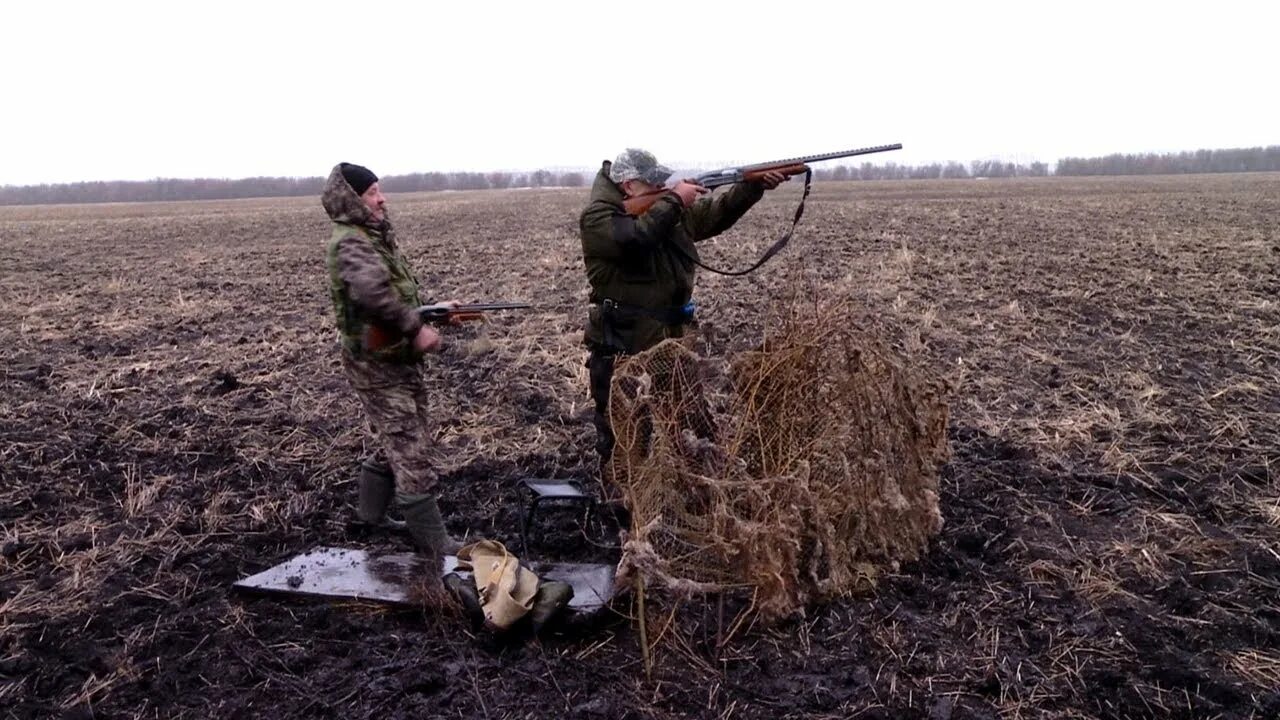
425, 525
464, 589
552, 597
375, 488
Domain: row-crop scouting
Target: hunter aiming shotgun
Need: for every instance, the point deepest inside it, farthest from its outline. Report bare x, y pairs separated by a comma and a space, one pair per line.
441, 314
727, 176
638, 205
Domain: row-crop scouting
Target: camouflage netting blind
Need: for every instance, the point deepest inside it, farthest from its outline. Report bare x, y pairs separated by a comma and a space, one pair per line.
822, 465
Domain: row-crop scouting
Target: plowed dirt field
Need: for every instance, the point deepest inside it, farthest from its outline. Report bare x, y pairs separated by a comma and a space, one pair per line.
173, 417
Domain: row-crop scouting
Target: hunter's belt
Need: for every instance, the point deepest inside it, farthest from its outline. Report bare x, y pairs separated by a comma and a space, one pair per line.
611, 309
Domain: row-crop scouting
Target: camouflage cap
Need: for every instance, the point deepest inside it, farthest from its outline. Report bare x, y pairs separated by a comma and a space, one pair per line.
636, 164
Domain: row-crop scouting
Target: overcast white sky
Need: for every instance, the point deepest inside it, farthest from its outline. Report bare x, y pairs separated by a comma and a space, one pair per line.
138, 90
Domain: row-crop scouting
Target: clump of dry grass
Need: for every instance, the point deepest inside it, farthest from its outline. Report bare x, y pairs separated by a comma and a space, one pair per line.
823, 466
1262, 668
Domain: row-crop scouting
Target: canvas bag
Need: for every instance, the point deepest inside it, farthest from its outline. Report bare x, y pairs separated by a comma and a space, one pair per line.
506, 589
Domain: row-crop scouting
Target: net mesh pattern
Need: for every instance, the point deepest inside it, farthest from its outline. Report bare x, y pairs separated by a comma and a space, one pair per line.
821, 468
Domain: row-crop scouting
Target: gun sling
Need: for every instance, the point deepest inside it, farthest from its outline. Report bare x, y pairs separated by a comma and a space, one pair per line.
773, 249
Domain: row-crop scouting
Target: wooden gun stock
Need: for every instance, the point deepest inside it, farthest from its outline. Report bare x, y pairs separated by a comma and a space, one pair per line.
755, 174
640, 204
375, 338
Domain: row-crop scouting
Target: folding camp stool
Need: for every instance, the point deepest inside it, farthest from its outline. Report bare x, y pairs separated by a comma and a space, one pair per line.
566, 493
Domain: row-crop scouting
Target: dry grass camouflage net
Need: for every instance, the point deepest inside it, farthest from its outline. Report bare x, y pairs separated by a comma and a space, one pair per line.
820, 466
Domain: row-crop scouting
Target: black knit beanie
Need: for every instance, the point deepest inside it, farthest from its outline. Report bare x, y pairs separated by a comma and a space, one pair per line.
358, 177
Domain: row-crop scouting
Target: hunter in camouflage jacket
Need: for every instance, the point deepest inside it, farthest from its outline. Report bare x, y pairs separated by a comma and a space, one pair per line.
370, 281
373, 288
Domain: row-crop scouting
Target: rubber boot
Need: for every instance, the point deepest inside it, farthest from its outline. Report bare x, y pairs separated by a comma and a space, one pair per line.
552, 597
375, 487
465, 590
425, 525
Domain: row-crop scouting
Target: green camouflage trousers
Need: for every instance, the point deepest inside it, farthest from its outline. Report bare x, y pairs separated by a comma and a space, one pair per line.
395, 404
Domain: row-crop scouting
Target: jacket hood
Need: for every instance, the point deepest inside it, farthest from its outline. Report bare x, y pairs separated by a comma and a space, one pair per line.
343, 204
604, 188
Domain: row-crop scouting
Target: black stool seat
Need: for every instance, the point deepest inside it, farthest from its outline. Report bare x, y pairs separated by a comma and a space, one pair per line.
551, 491
554, 488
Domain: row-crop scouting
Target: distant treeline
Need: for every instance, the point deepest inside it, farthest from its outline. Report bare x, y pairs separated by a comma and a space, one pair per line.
933, 171
211, 189
1199, 161
159, 189
418, 182
1257, 159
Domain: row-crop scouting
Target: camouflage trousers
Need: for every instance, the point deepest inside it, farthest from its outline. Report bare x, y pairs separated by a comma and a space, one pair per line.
395, 404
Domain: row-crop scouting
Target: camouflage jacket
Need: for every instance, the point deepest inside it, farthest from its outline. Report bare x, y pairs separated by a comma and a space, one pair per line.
640, 262
370, 282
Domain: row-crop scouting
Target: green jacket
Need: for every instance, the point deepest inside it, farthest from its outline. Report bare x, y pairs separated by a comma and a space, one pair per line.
642, 263
370, 281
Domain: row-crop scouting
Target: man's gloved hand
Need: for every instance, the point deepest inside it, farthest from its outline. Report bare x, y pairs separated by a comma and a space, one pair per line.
688, 191
772, 179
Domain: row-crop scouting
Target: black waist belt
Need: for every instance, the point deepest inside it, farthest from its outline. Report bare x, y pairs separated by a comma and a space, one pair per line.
666, 316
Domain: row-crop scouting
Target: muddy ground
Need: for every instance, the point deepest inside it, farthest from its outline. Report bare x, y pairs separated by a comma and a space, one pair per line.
173, 418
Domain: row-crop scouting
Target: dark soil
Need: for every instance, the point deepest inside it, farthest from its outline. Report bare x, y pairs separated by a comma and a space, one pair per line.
173, 418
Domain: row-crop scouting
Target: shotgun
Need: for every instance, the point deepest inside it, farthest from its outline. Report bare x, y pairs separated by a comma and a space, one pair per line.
376, 338
638, 204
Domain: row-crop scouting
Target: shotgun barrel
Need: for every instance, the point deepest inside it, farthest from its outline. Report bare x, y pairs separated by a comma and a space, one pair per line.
729, 176
435, 313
